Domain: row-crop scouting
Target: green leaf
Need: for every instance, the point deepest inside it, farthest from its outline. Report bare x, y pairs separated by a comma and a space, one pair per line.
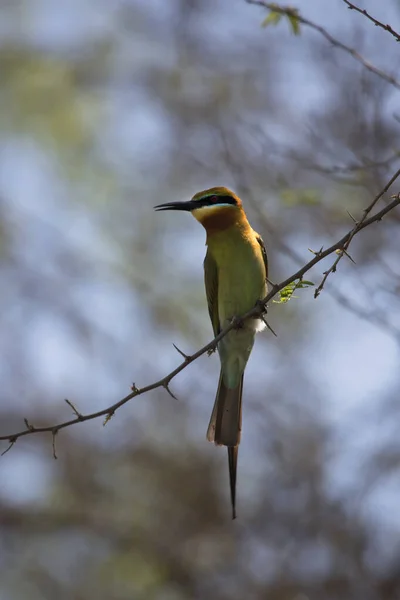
272, 19
303, 283
294, 23
288, 291
275, 16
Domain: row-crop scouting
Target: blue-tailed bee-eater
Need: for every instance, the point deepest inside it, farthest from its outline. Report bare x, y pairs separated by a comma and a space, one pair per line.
235, 274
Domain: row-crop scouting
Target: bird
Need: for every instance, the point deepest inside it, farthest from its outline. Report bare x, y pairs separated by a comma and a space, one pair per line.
235, 277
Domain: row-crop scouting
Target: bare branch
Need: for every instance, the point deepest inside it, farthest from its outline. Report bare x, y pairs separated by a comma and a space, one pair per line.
258, 311
293, 13
374, 21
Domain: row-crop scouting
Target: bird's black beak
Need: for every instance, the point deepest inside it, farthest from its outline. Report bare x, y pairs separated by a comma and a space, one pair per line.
190, 205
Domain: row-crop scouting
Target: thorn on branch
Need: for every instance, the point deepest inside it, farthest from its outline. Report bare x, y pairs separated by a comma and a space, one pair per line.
28, 425
12, 442
54, 433
352, 218
74, 409
316, 253
185, 356
166, 386
108, 418
268, 325
348, 256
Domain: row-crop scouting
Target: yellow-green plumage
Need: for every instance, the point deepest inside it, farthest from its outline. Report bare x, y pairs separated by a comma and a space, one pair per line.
235, 272
235, 278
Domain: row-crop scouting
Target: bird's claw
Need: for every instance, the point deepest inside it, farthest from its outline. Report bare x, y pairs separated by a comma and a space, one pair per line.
261, 306
211, 350
237, 322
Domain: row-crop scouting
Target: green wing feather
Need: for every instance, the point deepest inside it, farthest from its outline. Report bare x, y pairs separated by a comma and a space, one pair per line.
211, 283
264, 253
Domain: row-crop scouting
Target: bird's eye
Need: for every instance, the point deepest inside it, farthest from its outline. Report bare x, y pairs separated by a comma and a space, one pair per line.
214, 199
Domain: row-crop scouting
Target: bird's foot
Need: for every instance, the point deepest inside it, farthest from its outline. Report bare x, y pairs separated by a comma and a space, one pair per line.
211, 350
237, 322
262, 307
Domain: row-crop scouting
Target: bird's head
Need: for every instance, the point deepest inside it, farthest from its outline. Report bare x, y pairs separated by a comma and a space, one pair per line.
213, 208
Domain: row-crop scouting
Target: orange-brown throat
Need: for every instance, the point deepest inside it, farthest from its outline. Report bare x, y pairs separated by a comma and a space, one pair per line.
221, 218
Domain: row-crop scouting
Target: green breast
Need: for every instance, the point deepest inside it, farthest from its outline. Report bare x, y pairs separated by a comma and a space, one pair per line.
241, 273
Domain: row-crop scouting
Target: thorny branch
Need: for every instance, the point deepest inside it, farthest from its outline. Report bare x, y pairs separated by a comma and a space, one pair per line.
258, 311
289, 11
358, 225
372, 316
374, 21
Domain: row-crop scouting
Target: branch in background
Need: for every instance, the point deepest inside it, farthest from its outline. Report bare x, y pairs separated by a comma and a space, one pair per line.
345, 169
374, 21
292, 13
258, 311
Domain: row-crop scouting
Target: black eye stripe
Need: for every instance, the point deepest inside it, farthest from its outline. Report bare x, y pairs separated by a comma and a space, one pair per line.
211, 200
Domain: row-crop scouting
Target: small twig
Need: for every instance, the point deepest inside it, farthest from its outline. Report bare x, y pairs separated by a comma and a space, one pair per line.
293, 13
74, 409
12, 442
28, 425
54, 433
377, 23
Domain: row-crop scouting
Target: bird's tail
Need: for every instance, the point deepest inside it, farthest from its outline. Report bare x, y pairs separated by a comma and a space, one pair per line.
225, 427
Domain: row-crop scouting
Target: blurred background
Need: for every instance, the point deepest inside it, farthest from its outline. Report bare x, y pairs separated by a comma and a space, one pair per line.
106, 109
